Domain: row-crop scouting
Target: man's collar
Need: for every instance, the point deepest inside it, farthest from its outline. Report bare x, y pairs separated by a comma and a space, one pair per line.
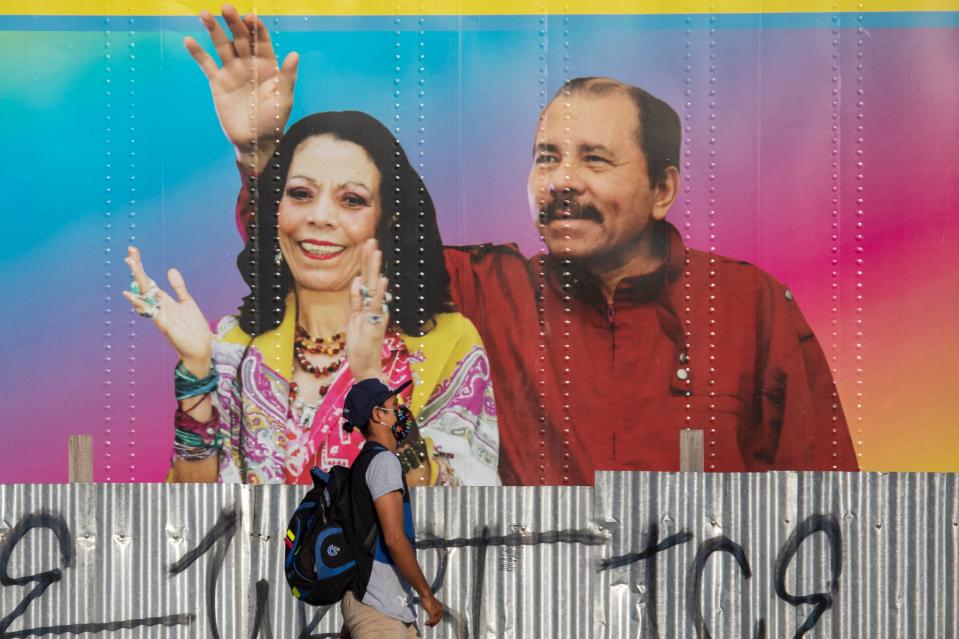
583, 285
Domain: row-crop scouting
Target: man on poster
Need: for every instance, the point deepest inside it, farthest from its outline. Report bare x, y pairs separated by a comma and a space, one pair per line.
604, 350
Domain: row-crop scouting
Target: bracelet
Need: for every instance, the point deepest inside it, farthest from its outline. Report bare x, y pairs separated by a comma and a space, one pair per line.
412, 456
187, 448
187, 385
194, 440
189, 438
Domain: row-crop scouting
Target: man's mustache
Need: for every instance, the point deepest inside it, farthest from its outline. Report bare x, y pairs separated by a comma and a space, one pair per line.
560, 208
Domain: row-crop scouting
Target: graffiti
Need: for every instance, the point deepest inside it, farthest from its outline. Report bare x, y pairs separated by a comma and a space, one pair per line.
826, 524
215, 544
220, 536
694, 585
822, 601
482, 543
56, 524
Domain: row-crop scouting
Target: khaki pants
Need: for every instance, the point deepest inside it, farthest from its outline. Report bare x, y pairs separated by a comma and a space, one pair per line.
366, 622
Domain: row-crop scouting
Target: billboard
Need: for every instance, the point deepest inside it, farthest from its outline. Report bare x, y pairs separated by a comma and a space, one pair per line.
601, 226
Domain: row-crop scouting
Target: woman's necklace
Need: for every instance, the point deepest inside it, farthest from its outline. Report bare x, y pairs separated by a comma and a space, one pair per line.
303, 344
320, 345
309, 367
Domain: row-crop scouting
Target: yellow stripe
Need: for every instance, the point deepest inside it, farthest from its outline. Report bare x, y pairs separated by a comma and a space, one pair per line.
289, 533
464, 7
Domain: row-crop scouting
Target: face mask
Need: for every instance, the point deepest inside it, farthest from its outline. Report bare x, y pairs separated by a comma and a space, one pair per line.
404, 423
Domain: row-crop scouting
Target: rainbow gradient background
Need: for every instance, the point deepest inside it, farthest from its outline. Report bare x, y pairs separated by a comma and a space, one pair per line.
108, 137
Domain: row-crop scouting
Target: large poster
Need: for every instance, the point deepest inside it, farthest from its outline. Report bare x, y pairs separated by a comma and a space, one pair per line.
601, 226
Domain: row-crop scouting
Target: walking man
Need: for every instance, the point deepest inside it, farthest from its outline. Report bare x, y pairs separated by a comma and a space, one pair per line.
385, 610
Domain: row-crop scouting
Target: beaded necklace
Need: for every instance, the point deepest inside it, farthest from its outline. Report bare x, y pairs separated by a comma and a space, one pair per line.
303, 344
309, 367
320, 345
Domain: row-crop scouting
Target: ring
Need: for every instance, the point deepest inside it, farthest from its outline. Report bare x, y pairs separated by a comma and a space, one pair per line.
150, 297
149, 300
150, 312
374, 319
365, 293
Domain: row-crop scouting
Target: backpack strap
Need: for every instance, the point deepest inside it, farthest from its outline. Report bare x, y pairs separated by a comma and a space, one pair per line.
370, 450
363, 503
320, 478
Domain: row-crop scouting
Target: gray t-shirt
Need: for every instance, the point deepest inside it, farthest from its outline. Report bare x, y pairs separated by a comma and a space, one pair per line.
388, 591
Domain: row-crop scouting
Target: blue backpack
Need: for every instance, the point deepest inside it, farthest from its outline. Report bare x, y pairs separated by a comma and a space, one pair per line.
330, 537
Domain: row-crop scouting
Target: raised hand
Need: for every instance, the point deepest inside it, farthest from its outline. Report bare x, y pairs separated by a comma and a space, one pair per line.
369, 316
252, 95
180, 319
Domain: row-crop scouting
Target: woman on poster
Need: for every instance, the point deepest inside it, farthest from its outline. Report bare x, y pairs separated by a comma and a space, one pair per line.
260, 398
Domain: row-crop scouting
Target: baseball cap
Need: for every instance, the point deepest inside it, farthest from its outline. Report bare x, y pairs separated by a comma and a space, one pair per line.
363, 396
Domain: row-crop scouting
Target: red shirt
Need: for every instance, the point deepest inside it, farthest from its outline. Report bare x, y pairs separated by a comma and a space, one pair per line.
704, 342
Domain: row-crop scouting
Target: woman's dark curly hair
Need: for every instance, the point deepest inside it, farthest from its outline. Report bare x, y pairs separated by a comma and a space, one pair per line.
407, 231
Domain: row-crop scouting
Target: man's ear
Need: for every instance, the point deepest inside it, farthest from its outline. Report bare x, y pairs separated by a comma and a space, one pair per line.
665, 193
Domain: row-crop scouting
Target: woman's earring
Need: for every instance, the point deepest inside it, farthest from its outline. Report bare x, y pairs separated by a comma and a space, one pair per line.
278, 258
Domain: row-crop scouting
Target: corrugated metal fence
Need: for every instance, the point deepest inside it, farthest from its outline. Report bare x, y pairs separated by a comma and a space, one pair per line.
639, 555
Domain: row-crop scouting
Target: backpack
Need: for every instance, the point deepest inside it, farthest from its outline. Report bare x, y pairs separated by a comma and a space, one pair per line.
329, 540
